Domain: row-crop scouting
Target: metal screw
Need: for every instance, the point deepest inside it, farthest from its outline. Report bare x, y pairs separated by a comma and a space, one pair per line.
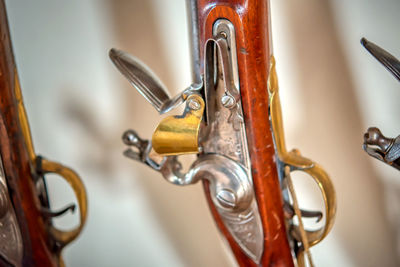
224, 34
194, 104
226, 198
228, 101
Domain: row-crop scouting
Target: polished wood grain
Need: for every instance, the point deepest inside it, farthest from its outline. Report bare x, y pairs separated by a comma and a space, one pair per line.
251, 21
19, 170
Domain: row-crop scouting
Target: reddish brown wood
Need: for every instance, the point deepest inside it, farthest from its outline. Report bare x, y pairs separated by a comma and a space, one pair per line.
19, 171
251, 21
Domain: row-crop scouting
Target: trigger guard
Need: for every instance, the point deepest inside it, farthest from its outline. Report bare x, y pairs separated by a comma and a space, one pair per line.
328, 193
61, 237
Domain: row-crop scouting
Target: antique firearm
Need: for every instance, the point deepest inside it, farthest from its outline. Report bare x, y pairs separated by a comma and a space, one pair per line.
27, 235
232, 121
375, 143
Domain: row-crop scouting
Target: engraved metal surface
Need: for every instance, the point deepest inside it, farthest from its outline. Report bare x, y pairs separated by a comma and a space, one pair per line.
219, 47
227, 138
11, 247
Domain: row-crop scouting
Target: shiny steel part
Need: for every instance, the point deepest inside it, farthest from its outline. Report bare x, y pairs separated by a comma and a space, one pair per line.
225, 27
11, 247
192, 19
296, 162
231, 192
131, 138
383, 148
226, 133
391, 63
147, 83
177, 135
223, 35
141, 77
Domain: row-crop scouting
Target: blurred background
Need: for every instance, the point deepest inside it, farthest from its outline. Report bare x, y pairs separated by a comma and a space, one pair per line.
332, 90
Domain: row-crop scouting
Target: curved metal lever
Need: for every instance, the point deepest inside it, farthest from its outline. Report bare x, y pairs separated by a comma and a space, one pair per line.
141, 77
147, 83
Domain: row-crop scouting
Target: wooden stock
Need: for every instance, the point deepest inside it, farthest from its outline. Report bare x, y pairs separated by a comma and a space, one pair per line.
19, 169
251, 21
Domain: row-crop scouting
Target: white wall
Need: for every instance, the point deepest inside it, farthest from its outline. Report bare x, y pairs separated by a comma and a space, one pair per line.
79, 105
332, 90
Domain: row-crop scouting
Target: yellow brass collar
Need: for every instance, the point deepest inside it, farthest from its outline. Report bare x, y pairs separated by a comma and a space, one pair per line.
177, 135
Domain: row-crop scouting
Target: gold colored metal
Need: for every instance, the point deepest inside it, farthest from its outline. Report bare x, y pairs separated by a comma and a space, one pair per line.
62, 237
65, 237
300, 163
177, 135
23, 119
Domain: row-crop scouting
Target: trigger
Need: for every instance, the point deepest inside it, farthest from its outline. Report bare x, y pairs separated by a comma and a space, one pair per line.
288, 211
46, 212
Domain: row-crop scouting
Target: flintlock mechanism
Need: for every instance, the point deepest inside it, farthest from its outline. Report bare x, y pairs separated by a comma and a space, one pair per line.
213, 126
